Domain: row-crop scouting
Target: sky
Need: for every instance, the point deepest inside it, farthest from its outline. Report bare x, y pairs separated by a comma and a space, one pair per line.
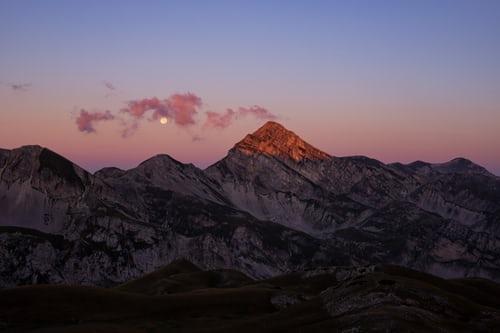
392, 80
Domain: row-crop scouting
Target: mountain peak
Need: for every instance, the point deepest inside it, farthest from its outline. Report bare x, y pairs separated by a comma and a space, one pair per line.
275, 140
270, 127
460, 165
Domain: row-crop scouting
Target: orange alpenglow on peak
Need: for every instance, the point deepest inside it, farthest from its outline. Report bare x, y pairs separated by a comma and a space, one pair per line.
275, 140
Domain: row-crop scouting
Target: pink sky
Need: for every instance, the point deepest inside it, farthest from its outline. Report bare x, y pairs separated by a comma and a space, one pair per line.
434, 133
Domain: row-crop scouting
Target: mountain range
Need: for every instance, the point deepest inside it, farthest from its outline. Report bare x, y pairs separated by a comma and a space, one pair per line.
273, 205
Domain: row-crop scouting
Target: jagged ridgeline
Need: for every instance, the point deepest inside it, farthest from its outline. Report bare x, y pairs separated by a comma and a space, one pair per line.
274, 204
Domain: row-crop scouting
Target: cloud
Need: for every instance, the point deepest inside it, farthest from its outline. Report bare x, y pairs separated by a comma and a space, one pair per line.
258, 112
223, 120
20, 86
86, 120
130, 128
181, 108
138, 108
109, 85
184, 107
219, 120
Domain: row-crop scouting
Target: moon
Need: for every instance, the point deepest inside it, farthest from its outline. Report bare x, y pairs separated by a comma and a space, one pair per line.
163, 120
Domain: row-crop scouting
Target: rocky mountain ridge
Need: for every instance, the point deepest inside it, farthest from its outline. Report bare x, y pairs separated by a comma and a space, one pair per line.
273, 204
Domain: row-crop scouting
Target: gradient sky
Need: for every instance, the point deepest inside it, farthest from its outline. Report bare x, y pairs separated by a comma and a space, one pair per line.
393, 80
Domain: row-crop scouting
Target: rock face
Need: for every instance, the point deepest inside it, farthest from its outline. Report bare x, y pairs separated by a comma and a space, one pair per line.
275, 140
273, 204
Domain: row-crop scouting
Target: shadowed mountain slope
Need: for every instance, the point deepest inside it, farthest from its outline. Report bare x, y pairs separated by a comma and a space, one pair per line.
274, 204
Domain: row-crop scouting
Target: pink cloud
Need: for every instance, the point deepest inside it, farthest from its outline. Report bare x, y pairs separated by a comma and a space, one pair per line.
257, 111
223, 120
219, 120
138, 108
182, 108
86, 120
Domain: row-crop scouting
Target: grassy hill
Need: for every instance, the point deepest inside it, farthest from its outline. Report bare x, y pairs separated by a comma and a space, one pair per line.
183, 298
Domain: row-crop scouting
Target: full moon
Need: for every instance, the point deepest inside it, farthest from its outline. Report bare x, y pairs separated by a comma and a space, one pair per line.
163, 120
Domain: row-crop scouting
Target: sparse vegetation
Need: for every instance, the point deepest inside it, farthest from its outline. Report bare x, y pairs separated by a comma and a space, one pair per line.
183, 298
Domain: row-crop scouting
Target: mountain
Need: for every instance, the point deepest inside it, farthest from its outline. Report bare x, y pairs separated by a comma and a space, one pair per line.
274, 204
182, 297
38, 187
457, 165
60, 224
275, 140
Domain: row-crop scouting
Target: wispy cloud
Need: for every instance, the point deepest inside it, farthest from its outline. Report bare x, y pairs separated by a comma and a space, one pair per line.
86, 120
225, 119
20, 86
138, 108
129, 128
110, 88
258, 112
219, 120
109, 85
